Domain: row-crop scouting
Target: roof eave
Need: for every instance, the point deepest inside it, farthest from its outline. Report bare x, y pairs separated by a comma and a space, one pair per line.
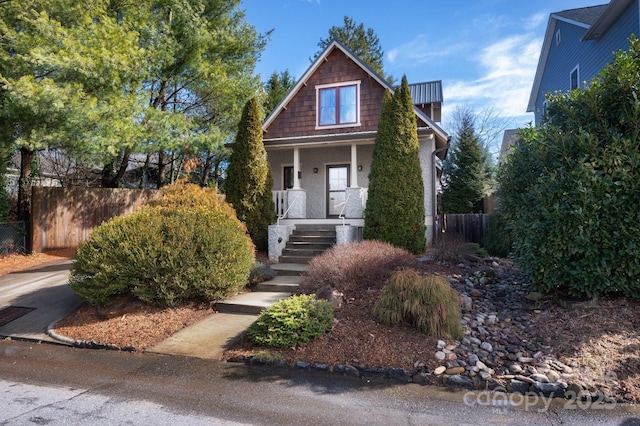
606, 19
542, 60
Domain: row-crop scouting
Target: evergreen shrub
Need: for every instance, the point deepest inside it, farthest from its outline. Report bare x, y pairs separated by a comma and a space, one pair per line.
570, 189
291, 322
187, 245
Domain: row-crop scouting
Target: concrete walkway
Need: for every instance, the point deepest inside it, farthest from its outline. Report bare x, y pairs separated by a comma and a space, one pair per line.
210, 337
41, 296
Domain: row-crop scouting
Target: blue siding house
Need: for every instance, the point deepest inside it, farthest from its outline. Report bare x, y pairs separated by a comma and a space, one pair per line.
578, 43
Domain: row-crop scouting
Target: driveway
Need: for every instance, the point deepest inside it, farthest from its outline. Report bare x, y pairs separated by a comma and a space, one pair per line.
31, 300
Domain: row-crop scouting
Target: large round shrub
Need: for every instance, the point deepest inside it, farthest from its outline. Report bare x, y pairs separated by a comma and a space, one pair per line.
188, 245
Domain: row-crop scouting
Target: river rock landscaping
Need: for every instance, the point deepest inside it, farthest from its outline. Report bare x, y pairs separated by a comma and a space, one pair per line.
516, 340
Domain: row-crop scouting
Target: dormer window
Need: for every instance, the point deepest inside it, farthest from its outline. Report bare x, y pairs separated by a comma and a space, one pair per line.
338, 105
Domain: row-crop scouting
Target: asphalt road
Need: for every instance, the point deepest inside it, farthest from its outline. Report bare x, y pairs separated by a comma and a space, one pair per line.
52, 384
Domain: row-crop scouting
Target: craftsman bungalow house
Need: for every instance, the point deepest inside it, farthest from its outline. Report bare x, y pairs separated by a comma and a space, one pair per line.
320, 138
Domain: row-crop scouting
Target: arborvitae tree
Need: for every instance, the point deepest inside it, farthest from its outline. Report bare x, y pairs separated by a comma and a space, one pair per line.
395, 207
249, 182
465, 186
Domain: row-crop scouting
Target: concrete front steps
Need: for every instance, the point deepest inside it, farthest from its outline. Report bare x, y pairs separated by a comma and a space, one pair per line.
308, 241
265, 294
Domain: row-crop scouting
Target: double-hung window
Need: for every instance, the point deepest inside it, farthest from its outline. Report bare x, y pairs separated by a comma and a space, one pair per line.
338, 105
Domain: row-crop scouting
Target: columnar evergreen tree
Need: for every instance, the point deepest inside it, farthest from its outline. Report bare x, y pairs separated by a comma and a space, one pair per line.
395, 206
465, 186
249, 181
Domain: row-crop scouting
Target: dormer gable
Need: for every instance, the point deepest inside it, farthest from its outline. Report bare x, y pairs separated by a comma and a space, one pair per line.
340, 94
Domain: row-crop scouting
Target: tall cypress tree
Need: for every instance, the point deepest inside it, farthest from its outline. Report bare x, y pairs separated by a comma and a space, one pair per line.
464, 188
249, 181
395, 206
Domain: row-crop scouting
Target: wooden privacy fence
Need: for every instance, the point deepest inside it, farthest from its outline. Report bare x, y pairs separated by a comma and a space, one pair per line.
64, 217
472, 227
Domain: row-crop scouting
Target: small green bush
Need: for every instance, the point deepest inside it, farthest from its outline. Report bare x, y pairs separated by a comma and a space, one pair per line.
427, 303
260, 272
291, 322
186, 246
354, 267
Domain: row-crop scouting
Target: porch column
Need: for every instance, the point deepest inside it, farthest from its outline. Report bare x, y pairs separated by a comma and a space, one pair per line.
296, 196
296, 168
354, 166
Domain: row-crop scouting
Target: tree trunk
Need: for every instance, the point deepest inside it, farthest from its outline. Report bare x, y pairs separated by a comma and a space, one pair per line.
161, 170
24, 184
111, 180
206, 170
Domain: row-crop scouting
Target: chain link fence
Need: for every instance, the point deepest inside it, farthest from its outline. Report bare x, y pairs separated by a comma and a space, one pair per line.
13, 237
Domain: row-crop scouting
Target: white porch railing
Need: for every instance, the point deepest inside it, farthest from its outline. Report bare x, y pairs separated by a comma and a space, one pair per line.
344, 204
280, 201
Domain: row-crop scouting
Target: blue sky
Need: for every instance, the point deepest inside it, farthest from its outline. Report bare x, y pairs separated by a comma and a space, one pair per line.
484, 51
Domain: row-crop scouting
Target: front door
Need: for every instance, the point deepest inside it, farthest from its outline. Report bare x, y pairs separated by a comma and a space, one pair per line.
337, 183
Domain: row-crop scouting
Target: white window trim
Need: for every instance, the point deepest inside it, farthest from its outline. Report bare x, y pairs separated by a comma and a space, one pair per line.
326, 86
577, 71
558, 37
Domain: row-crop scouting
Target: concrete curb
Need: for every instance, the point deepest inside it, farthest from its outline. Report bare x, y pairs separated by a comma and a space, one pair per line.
82, 344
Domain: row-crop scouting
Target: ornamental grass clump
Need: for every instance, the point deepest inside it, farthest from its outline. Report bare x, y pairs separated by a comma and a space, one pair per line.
427, 303
188, 245
291, 322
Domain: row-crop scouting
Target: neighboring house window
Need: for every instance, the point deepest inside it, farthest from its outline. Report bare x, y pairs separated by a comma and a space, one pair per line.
558, 37
575, 78
338, 105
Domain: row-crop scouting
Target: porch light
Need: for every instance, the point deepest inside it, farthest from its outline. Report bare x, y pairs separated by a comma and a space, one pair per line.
359, 168
315, 170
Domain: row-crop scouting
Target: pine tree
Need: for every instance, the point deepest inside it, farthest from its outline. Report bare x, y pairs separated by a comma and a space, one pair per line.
395, 206
465, 186
249, 181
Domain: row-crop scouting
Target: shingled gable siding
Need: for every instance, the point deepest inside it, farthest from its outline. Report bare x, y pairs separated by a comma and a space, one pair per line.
299, 119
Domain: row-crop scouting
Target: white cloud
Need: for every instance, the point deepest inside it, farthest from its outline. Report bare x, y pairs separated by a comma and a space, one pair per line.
508, 69
533, 22
421, 50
